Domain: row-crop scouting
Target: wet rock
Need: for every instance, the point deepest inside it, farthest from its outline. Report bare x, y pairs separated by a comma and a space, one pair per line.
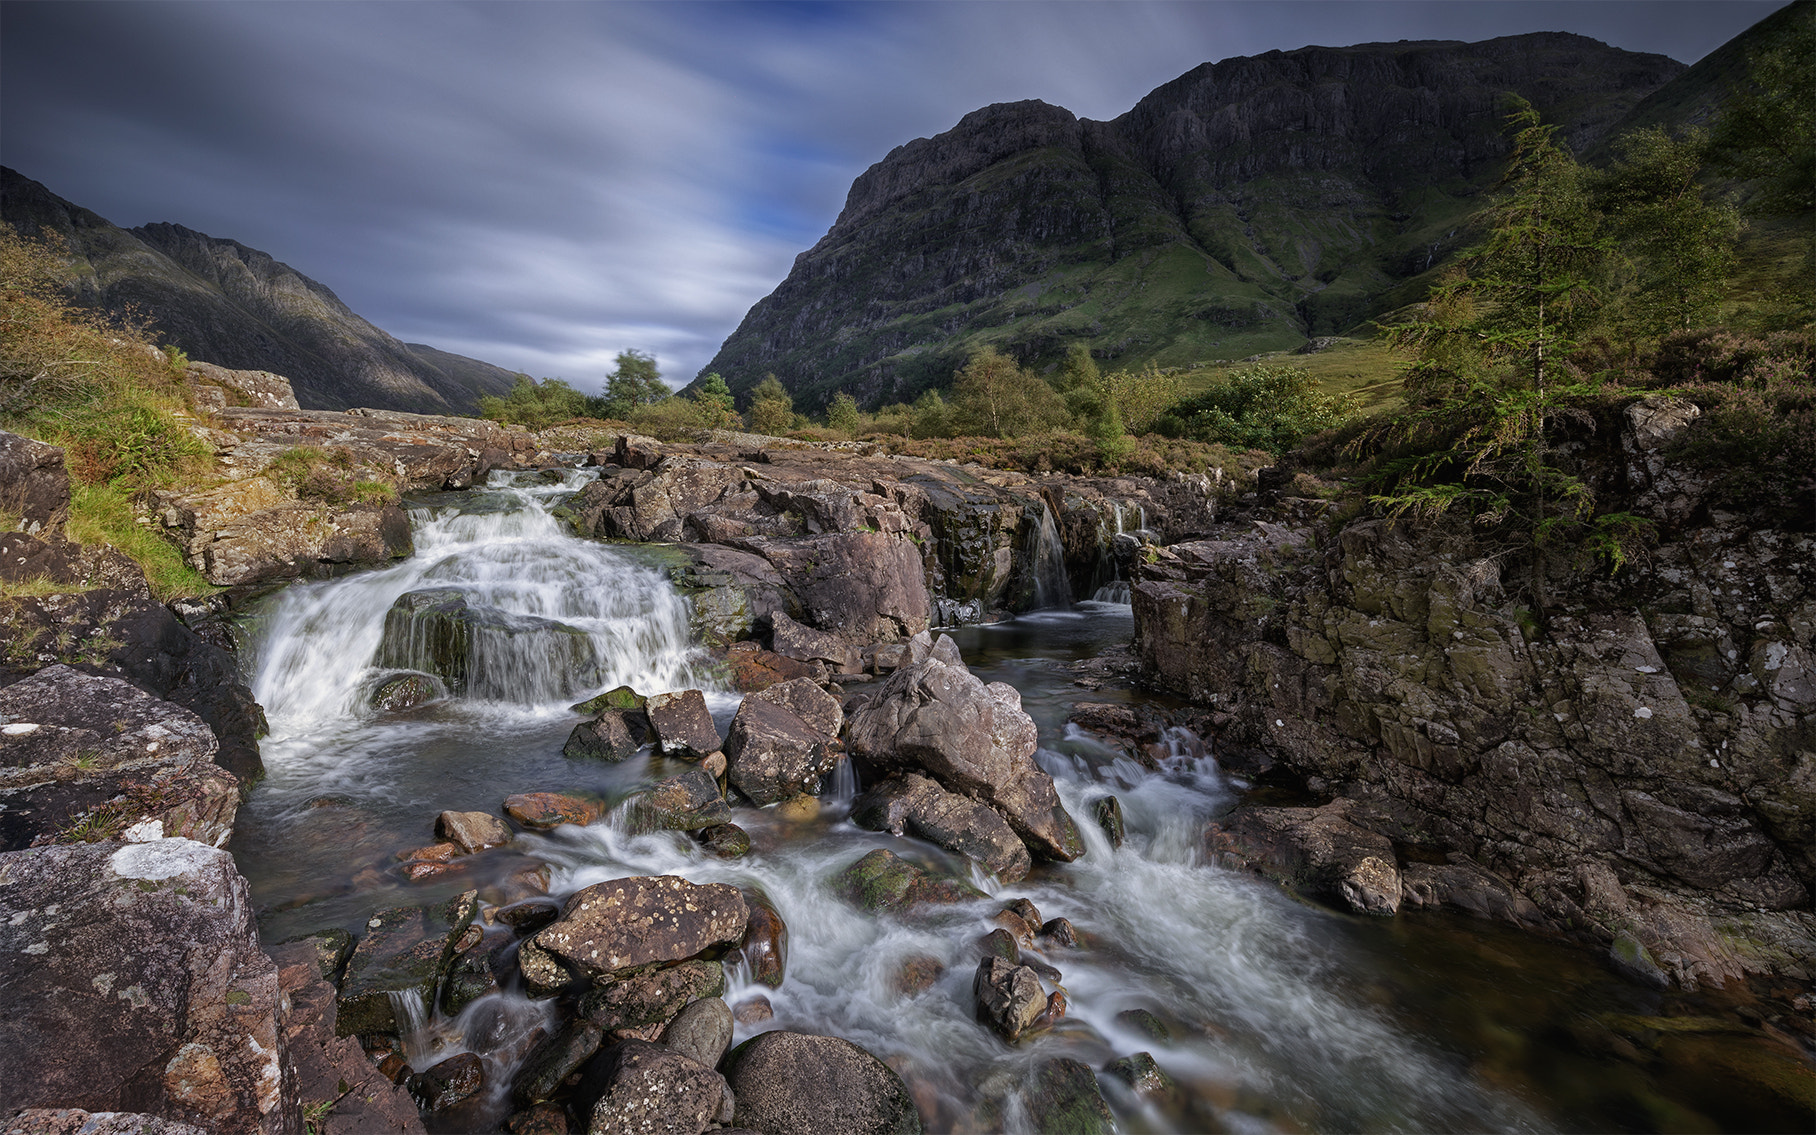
407, 691
772, 754
864, 587
638, 1087
542, 1119
653, 997
684, 802
1145, 1023
1025, 910
701, 1031
544, 974
936, 717
1631, 957
1059, 932
764, 948
1065, 1100
614, 735
541, 811
1464, 886
999, 943
403, 950
1015, 926
86, 758
1008, 997
135, 982
471, 975
754, 670
682, 724
883, 881
614, 928
1143, 1075
1108, 813
799, 809
1317, 850
555, 1059
529, 916
917, 974
817, 1085
914, 805
472, 831
727, 841
616, 698
329, 948
752, 1010
75, 1121
447, 1083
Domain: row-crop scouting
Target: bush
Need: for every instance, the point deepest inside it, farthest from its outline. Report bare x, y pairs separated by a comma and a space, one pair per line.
1264, 407
535, 405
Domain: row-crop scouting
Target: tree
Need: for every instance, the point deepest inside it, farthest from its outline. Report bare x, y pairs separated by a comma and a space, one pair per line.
930, 416
536, 405
995, 397
1680, 244
717, 408
1260, 407
842, 414
1141, 398
771, 406
634, 382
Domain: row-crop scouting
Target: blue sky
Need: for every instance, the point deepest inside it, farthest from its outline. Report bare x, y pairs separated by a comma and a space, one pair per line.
542, 185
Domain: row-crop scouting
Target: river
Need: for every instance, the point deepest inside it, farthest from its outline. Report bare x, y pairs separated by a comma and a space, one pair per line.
1280, 1015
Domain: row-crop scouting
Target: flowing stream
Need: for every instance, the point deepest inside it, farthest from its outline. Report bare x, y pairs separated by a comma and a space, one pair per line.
1280, 1016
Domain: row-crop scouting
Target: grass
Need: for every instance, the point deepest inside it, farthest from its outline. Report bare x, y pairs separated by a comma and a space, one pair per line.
1367, 369
104, 514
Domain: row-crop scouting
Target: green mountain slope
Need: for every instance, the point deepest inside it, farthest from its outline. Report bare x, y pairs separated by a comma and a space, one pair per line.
237, 307
1241, 208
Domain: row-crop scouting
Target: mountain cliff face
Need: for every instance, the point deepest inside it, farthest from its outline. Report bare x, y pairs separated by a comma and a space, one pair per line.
237, 307
1242, 207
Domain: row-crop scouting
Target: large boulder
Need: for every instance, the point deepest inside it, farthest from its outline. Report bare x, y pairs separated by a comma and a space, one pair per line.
883, 882
782, 741
612, 929
479, 649
642, 1088
863, 587
653, 997
684, 802
404, 951
913, 805
135, 982
1317, 850
1009, 997
936, 717
798, 1084
683, 725
86, 757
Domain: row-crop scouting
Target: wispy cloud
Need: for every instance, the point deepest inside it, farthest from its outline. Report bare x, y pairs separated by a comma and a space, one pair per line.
544, 185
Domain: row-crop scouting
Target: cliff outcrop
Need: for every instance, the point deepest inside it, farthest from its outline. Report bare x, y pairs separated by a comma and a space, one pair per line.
1636, 766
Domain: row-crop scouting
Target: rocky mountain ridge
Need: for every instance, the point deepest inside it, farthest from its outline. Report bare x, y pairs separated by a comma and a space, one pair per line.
242, 309
1242, 207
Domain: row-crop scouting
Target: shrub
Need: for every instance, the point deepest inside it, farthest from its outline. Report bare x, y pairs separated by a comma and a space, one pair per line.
1263, 407
534, 405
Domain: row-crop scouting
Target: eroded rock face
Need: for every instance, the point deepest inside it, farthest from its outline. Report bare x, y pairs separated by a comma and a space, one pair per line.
135, 983
37, 485
936, 717
84, 756
817, 1085
614, 928
1661, 743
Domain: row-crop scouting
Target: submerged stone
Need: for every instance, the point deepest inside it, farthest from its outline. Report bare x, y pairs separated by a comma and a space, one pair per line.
404, 951
1066, 1100
883, 881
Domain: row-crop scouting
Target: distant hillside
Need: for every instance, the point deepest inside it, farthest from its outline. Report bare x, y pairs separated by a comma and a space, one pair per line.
224, 303
1246, 206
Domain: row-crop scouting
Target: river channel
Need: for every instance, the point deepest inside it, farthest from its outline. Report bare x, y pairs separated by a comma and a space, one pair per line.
1279, 1015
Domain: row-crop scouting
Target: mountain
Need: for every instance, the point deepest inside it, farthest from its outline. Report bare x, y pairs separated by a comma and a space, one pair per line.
237, 307
1245, 206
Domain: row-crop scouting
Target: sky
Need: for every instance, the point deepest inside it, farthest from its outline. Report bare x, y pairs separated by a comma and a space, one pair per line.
544, 185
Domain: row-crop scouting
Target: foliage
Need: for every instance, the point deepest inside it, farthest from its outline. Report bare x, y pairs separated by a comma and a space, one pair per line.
534, 405
634, 382
771, 406
842, 414
1142, 397
717, 409
1767, 130
673, 419
1680, 245
328, 474
103, 513
1758, 430
1267, 406
1065, 451
993, 396
930, 417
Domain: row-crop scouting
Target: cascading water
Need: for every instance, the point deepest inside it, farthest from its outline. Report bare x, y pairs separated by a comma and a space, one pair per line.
1047, 564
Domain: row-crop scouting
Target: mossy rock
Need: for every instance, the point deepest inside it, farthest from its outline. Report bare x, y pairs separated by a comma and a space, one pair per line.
619, 697
883, 881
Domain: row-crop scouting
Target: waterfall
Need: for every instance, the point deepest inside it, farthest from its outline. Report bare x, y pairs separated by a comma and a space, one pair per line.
498, 600
1047, 564
1116, 588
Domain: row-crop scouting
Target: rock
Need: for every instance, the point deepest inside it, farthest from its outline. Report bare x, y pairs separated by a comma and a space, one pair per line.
1066, 1100
752, 1010
999, 943
541, 1119
471, 975
799, 809
37, 484
1108, 813
653, 997
755, 670
1145, 1023
642, 1087
541, 811
1059, 932
329, 949
616, 698
1025, 910
701, 1031
883, 881
404, 950
555, 1059
914, 805
685, 802
471, 648
804, 644
529, 916
772, 754
407, 691
818, 710
472, 831
916, 974
863, 587
613, 928
1008, 997
1318, 850
764, 947
544, 974
447, 1083
938, 718
817, 1085
727, 841
614, 735
682, 725
135, 982
85, 758
75, 1121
